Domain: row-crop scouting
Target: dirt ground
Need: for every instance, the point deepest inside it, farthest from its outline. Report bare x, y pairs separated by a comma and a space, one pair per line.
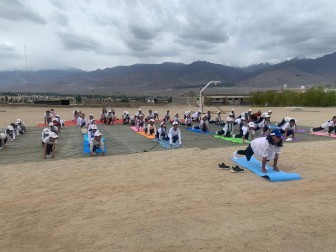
141, 197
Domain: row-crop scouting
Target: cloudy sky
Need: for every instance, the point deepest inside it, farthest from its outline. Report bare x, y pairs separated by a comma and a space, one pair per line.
92, 34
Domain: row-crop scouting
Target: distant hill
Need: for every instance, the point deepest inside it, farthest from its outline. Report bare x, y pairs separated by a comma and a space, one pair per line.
156, 78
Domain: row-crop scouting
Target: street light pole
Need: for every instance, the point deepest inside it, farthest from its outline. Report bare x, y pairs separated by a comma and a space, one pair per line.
200, 97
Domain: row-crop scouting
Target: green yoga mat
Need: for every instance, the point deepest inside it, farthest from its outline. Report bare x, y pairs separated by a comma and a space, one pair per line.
231, 139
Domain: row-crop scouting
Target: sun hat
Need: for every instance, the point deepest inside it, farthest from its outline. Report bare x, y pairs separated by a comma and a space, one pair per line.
18, 120
10, 127
97, 134
151, 120
46, 131
269, 111
162, 123
250, 110
276, 133
51, 124
175, 123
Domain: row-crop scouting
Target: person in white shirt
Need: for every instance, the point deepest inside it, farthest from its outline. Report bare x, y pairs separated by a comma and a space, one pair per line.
331, 125
286, 120
162, 133
197, 116
246, 131
47, 117
21, 127
218, 118
239, 121
288, 129
263, 115
174, 134
203, 125
3, 140
10, 132
53, 128
227, 130
91, 130
95, 143
140, 122
267, 148
166, 116
150, 129
264, 125
110, 117
45, 133
188, 120
150, 115
156, 116
126, 117
50, 145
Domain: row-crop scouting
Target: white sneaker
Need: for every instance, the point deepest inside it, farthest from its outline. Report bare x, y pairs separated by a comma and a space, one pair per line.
235, 155
0, 148
48, 156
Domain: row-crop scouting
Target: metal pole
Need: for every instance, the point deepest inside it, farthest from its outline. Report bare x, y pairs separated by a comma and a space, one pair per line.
26, 68
200, 98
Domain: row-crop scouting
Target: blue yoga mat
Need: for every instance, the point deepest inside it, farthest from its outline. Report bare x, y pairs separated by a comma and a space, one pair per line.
165, 144
86, 148
254, 166
200, 131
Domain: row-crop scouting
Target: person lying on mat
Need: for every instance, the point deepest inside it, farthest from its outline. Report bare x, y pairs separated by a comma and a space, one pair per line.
150, 129
162, 133
267, 148
95, 143
49, 145
174, 134
246, 131
288, 129
331, 125
227, 130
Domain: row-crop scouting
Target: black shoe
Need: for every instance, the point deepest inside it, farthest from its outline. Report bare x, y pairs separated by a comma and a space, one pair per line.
223, 166
236, 169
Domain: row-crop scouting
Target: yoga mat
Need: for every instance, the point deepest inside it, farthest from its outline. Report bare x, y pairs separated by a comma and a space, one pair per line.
254, 166
165, 144
86, 148
142, 133
200, 131
231, 139
319, 133
301, 131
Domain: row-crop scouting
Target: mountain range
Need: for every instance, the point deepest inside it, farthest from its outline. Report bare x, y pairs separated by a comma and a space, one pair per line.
168, 77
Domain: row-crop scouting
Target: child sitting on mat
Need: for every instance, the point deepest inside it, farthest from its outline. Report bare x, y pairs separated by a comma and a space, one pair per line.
95, 143
331, 125
265, 147
150, 129
161, 133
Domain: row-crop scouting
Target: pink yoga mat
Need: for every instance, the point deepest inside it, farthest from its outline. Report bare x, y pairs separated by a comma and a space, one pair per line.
319, 133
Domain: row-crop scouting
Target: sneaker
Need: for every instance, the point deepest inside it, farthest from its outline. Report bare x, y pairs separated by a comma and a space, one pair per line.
48, 156
223, 166
235, 155
1, 149
236, 169
233, 136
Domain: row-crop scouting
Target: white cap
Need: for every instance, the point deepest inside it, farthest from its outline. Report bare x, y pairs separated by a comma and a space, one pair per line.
269, 111
162, 123
250, 110
110, 110
51, 124
251, 124
232, 109
91, 115
10, 127
267, 116
18, 120
200, 111
175, 123
243, 118
46, 131
94, 126
152, 120
97, 134
140, 109
92, 120
127, 113
52, 134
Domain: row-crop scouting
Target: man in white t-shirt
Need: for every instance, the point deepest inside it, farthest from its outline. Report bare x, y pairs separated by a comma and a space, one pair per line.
50, 145
331, 125
174, 134
267, 148
96, 142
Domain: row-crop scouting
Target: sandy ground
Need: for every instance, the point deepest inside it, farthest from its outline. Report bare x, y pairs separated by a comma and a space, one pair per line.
163, 200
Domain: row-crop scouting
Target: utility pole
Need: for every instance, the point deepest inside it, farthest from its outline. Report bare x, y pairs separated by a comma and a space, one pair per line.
200, 97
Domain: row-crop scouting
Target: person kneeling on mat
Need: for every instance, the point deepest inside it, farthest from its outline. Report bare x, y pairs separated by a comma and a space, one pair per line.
174, 134
246, 131
265, 147
150, 129
161, 133
50, 145
95, 143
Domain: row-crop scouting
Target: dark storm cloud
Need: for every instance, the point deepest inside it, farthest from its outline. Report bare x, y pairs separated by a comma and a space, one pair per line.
15, 10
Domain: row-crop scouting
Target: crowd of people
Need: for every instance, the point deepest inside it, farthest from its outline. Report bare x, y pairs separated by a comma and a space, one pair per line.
243, 126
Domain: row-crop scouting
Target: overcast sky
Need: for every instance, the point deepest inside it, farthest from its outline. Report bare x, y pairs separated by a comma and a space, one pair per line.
92, 34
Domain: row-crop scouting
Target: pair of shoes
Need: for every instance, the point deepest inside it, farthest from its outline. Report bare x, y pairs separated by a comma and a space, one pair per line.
235, 155
236, 169
223, 166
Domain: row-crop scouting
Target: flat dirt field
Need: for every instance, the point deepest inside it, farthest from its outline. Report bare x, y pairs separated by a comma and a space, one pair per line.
142, 197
